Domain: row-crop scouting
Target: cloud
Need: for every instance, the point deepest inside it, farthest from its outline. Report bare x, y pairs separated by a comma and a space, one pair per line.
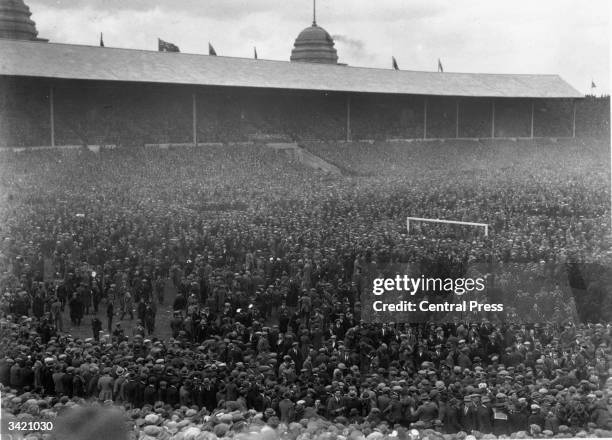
350, 42
217, 9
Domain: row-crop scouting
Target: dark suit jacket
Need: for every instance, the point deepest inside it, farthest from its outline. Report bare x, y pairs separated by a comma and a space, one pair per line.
335, 407
467, 417
484, 418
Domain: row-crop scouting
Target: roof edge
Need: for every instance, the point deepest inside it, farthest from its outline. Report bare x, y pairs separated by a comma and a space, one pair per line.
305, 89
191, 54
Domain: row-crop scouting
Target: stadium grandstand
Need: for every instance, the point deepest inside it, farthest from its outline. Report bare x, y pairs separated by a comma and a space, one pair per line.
98, 95
187, 241
61, 94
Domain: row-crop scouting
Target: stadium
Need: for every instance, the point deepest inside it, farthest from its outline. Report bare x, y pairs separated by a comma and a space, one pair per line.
190, 245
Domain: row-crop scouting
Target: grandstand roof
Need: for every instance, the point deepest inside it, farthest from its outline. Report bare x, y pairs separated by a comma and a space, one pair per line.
66, 61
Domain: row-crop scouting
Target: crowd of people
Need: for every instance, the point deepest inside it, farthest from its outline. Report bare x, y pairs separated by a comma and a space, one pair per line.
207, 291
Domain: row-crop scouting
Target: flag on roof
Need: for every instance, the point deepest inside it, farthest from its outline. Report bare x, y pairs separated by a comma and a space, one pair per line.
394, 62
164, 46
593, 84
211, 50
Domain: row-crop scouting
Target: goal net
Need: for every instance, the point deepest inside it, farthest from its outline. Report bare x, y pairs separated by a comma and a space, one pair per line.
412, 221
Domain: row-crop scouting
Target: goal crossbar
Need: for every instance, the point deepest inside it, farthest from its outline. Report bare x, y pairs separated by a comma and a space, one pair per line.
452, 222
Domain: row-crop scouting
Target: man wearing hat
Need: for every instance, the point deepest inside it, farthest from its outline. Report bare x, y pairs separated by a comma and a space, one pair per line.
78, 384
449, 414
467, 414
518, 415
172, 392
393, 411
56, 308
536, 417
68, 381
208, 394
353, 402
438, 355
105, 385
286, 407
484, 415
500, 415
118, 386
150, 391
335, 405
427, 412
129, 388
96, 327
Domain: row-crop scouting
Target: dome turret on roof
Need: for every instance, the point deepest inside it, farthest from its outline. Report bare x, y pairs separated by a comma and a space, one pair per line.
314, 45
15, 21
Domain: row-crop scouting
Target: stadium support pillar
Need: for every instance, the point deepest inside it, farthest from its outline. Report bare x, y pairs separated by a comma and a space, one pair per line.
457, 119
348, 118
52, 114
573, 118
492, 118
194, 115
425, 118
532, 116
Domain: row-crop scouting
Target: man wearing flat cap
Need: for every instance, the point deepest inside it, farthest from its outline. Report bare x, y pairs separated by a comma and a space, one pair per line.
467, 414
427, 412
484, 415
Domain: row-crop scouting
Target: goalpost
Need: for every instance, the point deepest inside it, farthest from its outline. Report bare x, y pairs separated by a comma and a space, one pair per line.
452, 222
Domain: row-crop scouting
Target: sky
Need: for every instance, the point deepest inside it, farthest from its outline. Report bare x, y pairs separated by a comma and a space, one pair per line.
566, 37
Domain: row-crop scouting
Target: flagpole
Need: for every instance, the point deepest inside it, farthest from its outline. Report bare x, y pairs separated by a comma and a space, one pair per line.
195, 120
348, 118
493, 119
52, 114
573, 118
425, 118
457, 119
532, 117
